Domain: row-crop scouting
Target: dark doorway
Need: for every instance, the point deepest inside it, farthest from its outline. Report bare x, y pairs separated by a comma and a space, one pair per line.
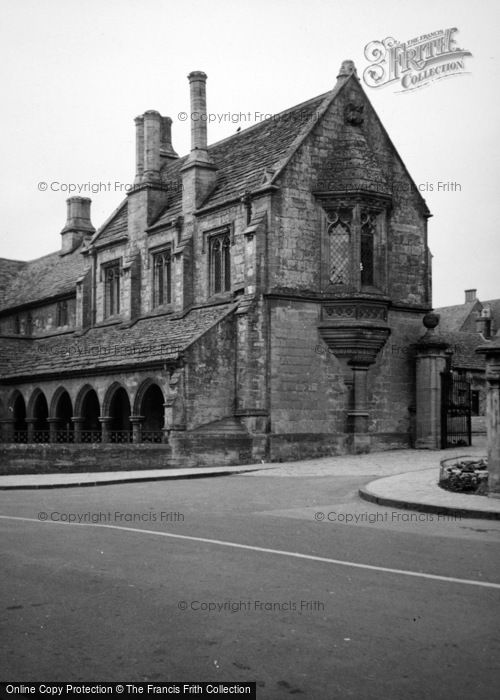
153, 411
91, 426
119, 411
20, 425
63, 413
41, 424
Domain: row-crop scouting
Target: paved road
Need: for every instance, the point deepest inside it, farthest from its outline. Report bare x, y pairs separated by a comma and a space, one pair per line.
93, 602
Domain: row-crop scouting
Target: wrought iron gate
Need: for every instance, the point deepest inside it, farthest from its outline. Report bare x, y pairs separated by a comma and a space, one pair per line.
455, 411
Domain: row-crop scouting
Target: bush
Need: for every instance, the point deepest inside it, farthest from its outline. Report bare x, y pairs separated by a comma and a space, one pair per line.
465, 476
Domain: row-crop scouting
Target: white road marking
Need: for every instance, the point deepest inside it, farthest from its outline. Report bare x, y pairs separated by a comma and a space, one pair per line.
265, 550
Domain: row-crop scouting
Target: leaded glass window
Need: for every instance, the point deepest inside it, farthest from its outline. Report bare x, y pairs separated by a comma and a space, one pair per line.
162, 278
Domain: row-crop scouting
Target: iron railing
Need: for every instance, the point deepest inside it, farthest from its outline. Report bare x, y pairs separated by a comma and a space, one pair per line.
120, 436
455, 411
68, 436
152, 436
89, 436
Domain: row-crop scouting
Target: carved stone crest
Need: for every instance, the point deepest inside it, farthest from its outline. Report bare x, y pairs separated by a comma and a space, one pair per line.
353, 114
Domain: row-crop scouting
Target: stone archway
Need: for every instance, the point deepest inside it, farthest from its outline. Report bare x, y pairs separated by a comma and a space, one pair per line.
17, 409
62, 414
152, 411
118, 413
88, 412
38, 418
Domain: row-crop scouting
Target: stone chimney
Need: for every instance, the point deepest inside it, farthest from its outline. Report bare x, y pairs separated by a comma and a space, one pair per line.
470, 295
199, 172
139, 149
78, 226
166, 148
153, 143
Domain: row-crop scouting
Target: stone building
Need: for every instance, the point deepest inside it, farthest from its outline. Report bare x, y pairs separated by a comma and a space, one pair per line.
466, 327
255, 300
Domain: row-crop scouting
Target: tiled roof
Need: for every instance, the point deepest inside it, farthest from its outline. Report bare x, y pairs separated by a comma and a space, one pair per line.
452, 318
494, 305
9, 269
159, 338
464, 346
42, 278
243, 158
115, 227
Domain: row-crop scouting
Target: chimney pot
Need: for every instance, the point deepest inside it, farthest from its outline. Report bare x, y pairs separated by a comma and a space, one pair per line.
78, 225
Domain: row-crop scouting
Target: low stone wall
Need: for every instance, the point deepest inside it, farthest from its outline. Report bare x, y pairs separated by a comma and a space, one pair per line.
49, 458
211, 450
184, 450
287, 447
290, 447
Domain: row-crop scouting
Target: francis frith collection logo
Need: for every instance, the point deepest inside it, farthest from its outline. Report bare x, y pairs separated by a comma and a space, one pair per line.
414, 63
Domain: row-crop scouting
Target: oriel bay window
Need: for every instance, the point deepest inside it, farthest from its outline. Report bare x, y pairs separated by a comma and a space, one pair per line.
112, 289
162, 277
355, 247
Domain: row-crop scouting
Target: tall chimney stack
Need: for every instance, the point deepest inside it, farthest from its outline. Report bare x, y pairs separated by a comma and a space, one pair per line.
152, 140
78, 224
197, 83
166, 148
470, 295
139, 149
199, 173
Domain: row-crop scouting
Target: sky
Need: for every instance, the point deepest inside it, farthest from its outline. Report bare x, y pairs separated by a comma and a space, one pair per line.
74, 75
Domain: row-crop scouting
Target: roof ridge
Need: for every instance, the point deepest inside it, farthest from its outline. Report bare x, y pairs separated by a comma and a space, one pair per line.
308, 127
107, 221
266, 121
13, 260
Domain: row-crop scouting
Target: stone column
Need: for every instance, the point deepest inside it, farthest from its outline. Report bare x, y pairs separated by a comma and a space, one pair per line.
136, 428
7, 429
78, 421
432, 358
52, 428
492, 353
31, 428
357, 416
105, 421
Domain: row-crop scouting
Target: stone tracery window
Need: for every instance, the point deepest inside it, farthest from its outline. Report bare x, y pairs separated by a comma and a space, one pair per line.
340, 244
339, 234
112, 289
367, 248
220, 263
355, 245
162, 277
62, 313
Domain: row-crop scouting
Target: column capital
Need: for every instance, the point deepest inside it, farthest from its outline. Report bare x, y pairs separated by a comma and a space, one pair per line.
136, 419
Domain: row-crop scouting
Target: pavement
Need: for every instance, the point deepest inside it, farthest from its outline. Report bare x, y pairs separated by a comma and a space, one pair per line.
405, 478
